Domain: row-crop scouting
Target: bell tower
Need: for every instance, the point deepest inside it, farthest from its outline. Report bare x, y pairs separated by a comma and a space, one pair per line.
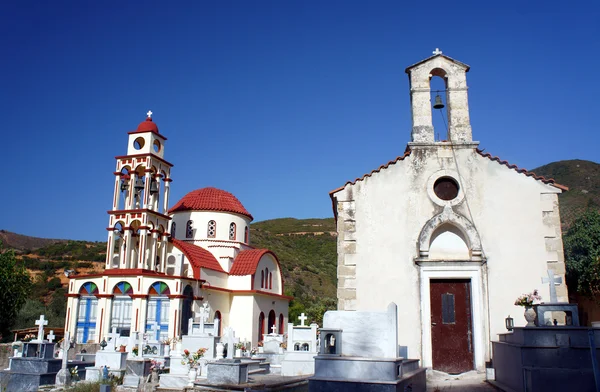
138, 224
454, 74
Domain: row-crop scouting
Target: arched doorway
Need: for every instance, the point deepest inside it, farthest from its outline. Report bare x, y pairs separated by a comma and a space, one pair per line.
158, 311
87, 313
186, 309
272, 321
261, 326
281, 325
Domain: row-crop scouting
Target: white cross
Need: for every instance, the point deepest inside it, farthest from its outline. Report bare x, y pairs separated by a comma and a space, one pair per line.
155, 327
66, 344
437, 51
274, 330
149, 114
302, 319
204, 312
51, 337
553, 281
41, 322
112, 338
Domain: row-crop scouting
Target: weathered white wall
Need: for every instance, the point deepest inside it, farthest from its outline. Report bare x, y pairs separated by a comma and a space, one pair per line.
381, 217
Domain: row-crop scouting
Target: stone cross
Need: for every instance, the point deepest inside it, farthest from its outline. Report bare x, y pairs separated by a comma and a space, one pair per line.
112, 339
274, 330
203, 312
63, 377
155, 328
553, 281
51, 336
40, 323
230, 335
437, 51
149, 114
302, 319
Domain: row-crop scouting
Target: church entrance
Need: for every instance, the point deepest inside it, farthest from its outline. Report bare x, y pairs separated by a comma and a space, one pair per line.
451, 325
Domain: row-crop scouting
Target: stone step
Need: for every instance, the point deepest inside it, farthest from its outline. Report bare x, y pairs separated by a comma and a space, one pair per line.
409, 365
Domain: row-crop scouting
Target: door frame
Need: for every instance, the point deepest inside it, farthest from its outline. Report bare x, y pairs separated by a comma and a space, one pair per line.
479, 310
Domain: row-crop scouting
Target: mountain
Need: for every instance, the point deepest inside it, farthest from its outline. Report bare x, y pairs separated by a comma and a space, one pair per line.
582, 178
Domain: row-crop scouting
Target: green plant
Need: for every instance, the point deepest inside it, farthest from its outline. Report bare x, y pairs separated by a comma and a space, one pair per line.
582, 254
15, 285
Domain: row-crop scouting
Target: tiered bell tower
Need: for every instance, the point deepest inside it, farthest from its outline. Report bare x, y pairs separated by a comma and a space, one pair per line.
138, 228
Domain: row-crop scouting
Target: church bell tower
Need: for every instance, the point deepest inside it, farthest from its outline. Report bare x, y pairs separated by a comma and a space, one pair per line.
138, 228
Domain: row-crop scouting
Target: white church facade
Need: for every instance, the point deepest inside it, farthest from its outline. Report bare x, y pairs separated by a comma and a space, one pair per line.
449, 233
162, 264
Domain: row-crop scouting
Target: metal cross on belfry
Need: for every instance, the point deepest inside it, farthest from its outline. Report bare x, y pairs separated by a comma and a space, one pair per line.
553, 281
437, 51
149, 114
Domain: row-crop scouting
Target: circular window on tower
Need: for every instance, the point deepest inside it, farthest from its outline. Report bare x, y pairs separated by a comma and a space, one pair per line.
156, 146
446, 188
138, 143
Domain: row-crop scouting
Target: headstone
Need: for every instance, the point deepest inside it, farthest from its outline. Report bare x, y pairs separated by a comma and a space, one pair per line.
302, 319
112, 339
51, 336
553, 281
203, 312
64, 376
230, 338
41, 323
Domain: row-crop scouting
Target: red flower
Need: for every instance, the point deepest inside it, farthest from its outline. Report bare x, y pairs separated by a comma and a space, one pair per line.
186, 352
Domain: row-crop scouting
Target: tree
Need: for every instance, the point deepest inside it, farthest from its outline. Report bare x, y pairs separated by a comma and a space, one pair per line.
15, 285
582, 254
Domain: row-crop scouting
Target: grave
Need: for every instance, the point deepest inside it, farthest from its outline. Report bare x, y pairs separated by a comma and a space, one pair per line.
200, 336
359, 351
115, 361
177, 378
302, 347
37, 365
548, 356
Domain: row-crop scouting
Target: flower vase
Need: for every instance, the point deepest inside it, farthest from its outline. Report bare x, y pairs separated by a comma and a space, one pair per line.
167, 350
220, 350
238, 353
192, 376
530, 316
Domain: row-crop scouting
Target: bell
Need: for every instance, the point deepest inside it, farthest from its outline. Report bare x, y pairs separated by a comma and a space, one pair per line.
438, 102
139, 184
124, 185
153, 186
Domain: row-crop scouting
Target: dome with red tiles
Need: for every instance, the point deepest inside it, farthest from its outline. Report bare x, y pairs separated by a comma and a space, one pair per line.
147, 126
210, 199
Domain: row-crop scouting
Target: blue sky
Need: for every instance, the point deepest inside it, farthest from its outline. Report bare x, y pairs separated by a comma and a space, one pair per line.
278, 102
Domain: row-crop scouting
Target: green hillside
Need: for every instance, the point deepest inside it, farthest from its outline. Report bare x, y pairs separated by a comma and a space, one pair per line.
583, 180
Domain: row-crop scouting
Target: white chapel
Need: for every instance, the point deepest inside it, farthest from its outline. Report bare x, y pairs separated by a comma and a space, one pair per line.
163, 264
451, 234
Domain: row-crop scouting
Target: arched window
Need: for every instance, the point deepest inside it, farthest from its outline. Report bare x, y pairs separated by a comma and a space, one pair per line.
121, 308
189, 229
173, 227
262, 279
266, 278
270, 280
246, 234
218, 317
158, 311
272, 321
281, 325
261, 326
232, 231
87, 313
211, 231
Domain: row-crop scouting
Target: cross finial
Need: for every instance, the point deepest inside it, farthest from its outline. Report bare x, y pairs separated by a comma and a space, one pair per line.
302, 319
149, 114
437, 51
274, 330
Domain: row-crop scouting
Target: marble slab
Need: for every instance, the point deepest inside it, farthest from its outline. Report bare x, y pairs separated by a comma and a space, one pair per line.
114, 360
366, 334
227, 372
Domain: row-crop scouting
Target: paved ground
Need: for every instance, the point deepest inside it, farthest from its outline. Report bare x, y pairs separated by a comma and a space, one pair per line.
467, 382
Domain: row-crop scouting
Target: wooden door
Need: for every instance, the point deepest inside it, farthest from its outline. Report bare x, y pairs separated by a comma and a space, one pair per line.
451, 325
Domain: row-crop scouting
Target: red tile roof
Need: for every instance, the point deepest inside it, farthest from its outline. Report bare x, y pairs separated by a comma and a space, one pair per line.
549, 181
199, 257
247, 260
210, 199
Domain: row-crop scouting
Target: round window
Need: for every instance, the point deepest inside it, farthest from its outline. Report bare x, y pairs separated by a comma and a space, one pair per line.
138, 143
446, 188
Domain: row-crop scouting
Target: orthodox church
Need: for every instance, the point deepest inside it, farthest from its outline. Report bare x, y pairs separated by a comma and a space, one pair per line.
451, 234
162, 264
